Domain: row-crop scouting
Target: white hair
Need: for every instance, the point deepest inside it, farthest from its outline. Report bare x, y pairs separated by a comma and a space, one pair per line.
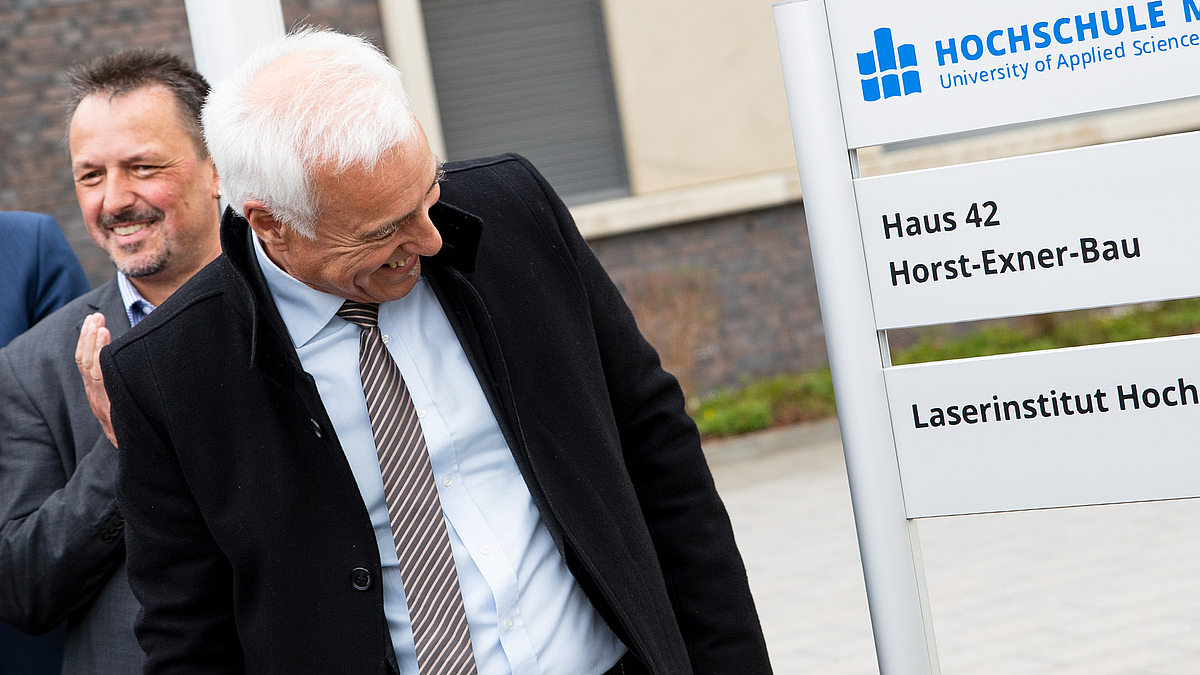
341, 104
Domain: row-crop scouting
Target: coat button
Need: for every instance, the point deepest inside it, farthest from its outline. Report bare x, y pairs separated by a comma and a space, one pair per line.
360, 579
316, 427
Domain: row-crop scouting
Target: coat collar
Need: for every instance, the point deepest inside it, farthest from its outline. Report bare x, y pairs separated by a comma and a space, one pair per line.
460, 232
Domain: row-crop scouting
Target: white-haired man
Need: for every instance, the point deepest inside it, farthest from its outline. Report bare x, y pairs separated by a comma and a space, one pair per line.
416, 429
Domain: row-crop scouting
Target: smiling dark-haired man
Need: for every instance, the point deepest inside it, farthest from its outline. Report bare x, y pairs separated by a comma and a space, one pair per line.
148, 192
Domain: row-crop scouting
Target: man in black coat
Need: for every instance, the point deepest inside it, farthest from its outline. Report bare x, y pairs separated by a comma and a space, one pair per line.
262, 513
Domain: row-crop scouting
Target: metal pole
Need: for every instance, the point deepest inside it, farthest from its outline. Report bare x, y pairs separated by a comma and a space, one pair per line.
226, 32
891, 562
404, 35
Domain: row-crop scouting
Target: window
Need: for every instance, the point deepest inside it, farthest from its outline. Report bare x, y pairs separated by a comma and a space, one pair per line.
533, 77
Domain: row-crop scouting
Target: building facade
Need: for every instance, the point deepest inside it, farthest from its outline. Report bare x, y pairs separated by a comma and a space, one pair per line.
667, 136
662, 124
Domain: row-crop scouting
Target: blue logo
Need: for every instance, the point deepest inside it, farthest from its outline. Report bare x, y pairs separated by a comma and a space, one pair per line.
896, 69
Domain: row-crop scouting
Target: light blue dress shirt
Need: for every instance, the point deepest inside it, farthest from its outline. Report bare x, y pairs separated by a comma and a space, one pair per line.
527, 614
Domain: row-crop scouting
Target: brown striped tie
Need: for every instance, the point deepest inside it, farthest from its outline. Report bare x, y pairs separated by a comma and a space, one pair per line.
426, 562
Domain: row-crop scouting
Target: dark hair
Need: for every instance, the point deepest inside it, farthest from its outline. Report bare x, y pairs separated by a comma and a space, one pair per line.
128, 71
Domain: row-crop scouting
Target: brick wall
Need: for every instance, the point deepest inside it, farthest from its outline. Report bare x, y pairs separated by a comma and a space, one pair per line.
39, 39
357, 17
760, 270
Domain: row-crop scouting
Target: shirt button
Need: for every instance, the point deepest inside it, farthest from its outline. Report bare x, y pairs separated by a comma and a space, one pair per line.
485, 549
510, 624
445, 481
387, 339
420, 413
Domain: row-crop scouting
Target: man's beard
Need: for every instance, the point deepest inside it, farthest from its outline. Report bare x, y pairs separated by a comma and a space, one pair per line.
143, 268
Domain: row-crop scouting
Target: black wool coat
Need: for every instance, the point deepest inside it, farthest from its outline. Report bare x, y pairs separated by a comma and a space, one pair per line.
245, 526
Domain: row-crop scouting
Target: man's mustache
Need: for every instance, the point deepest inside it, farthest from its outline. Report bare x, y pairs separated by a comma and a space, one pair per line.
131, 215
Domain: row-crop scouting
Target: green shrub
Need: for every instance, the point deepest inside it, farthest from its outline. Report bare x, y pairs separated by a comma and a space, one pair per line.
791, 398
762, 403
739, 417
1175, 317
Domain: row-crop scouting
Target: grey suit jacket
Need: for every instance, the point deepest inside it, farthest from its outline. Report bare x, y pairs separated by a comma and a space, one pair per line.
62, 552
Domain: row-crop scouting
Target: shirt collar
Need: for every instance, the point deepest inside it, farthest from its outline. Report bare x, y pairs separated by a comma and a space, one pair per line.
136, 307
304, 309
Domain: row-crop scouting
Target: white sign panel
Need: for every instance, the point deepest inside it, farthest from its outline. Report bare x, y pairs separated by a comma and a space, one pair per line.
921, 68
1097, 226
1092, 425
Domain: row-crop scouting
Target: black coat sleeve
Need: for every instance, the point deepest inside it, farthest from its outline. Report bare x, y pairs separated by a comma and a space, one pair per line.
175, 568
705, 577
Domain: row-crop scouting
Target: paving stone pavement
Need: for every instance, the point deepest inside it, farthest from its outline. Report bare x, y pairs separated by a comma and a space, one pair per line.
1104, 590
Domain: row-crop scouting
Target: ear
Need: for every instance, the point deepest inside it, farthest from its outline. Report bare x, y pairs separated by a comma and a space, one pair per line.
216, 180
274, 234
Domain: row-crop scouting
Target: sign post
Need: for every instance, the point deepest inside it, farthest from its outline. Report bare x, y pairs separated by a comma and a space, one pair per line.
226, 32
1091, 227
890, 556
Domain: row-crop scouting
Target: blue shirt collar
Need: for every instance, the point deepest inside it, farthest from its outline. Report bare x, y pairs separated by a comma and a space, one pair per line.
304, 309
136, 307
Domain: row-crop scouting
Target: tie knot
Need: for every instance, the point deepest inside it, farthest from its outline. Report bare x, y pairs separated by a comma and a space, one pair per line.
363, 314
138, 310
